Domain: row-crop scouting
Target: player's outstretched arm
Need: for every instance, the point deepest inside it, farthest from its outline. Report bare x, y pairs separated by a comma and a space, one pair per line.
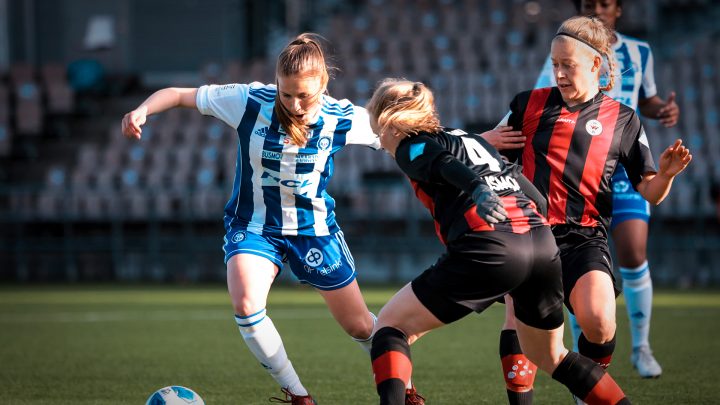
655, 187
159, 101
666, 111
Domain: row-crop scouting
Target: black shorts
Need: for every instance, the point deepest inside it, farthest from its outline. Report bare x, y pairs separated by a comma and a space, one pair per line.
480, 267
582, 249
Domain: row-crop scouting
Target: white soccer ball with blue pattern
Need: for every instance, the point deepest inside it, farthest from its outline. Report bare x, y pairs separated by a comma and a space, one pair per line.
175, 395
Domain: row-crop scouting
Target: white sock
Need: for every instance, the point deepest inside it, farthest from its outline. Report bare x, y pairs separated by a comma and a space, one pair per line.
366, 344
575, 331
265, 343
638, 290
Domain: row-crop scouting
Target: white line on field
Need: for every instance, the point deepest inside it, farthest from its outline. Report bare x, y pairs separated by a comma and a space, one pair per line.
164, 315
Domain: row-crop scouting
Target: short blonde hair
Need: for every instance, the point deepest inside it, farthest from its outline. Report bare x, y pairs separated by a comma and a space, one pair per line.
406, 106
304, 55
593, 33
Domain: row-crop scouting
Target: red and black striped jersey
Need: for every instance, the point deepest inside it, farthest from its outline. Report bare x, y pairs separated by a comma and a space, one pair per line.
453, 209
571, 153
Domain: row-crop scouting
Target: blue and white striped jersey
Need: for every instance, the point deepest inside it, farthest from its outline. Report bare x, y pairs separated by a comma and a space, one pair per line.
279, 187
634, 63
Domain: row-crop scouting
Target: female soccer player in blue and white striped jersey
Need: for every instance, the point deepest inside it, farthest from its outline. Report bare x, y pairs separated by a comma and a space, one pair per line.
280, 210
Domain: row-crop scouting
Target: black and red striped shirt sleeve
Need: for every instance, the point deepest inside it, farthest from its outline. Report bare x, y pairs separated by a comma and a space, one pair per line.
635, 154
515, 120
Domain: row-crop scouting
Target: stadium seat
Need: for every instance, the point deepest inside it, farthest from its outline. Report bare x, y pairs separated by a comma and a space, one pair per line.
4, 104
29, 110
50, 200
60, 96
5, 139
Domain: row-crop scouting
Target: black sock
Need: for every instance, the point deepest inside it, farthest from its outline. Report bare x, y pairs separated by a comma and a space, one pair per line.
391, 365
588, 380
600, 353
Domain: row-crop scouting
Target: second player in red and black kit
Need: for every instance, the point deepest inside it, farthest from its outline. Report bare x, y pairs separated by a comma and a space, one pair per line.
497, 243
429, 156
574, 138
446, 169
575, 151
570, 156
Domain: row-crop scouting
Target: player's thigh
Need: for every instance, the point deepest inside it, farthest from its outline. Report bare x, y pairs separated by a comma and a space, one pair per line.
405, 312
348, 307
593, 302
630, 237
249, 278
629, 225
582, 251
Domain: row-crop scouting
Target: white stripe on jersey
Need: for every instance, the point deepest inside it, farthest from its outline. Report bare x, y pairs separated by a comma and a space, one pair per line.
287, 199
282, 198
320, 212
259, 209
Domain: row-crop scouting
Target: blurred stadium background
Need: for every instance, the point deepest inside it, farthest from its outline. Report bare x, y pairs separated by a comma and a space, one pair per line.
79, 203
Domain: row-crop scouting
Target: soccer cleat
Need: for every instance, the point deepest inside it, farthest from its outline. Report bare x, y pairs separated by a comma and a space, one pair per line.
292, 399
413, 398
644, 362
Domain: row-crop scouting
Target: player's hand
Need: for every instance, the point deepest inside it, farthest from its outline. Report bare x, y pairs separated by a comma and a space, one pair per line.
489, 206
674, 159
670, 113
503, 137
132, 122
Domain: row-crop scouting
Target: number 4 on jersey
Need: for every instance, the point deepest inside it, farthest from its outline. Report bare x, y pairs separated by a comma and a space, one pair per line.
479, 155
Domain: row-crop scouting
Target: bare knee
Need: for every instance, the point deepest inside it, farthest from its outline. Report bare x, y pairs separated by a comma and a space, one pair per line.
360, 327
631, 257
598, 328
245, 305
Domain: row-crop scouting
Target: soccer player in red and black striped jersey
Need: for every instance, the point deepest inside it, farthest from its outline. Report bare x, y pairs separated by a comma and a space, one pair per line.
497, 243
575, 136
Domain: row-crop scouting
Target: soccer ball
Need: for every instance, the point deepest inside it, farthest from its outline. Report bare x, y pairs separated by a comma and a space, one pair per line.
175, 395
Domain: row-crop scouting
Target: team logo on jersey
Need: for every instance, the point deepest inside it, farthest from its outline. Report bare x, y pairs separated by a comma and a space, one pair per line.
620, 186
324, 143
262, 132
314, 258
238, 237
594, 127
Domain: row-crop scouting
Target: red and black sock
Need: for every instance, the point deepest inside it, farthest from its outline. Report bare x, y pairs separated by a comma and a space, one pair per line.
391, 365
588, 381
601, 353
518, 371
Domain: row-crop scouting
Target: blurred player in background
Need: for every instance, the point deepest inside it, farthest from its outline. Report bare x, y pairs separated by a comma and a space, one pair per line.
574, 138
497, 243
279, 210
